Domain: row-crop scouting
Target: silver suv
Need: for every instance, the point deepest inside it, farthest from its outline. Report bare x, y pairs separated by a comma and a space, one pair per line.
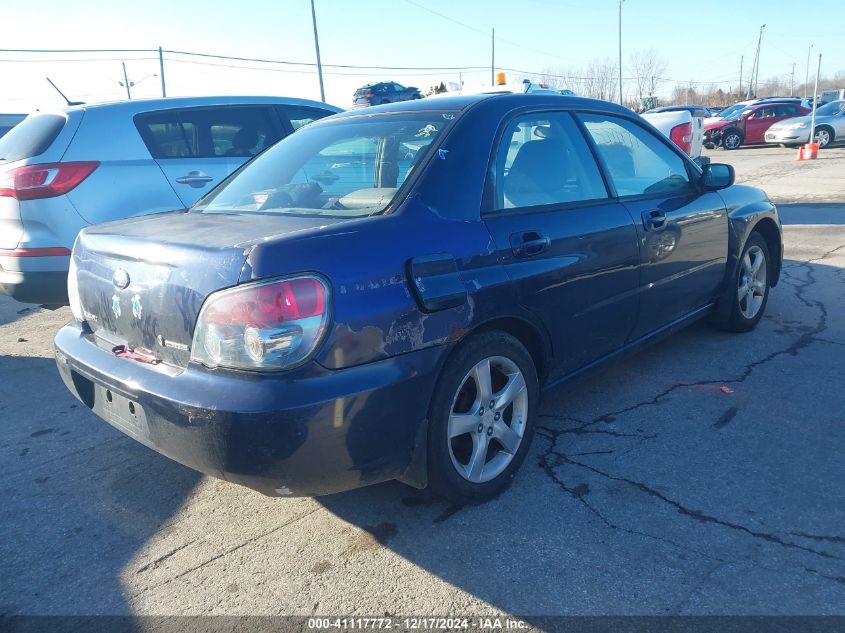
60, 172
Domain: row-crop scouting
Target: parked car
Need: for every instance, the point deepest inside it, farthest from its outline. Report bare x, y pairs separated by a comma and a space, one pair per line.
8, 121
60, 172
384, 92
682, 127
699, 111
748, 126
398, 317
830, 127
727, 112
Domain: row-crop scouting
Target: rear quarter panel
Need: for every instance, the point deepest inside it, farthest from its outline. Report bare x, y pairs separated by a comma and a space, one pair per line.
128, 181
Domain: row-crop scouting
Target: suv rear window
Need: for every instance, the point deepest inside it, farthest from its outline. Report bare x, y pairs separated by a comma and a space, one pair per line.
31, 137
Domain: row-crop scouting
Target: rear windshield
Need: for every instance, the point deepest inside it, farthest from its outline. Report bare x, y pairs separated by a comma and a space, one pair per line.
31, 137
353, 166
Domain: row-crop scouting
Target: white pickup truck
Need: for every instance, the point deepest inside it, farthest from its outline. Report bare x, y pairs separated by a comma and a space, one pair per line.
685, 129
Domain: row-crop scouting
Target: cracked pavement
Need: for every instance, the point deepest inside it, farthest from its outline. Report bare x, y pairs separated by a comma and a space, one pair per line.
703, 475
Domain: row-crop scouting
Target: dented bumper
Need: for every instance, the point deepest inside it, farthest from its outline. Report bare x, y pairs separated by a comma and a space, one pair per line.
306, 432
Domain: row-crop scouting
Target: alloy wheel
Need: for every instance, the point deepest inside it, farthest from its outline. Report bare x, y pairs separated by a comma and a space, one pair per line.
732, 141
752, 282
822, 137
488, 419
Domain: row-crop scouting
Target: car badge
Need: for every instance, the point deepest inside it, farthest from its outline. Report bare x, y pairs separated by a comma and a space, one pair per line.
115, 306
137, 308
120, 279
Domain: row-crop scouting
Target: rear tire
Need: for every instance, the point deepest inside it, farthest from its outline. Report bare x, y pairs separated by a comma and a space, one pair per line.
474, 449
751, 286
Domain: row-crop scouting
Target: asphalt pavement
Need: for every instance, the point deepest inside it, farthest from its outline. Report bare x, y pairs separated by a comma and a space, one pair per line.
703, 475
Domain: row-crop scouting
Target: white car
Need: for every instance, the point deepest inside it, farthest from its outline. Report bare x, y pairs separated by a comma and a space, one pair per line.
830, 127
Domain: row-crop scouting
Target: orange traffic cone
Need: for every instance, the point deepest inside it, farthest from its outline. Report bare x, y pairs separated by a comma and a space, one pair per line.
810, 151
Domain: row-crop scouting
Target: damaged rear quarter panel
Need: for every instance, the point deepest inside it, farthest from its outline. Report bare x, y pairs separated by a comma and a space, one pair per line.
375, 314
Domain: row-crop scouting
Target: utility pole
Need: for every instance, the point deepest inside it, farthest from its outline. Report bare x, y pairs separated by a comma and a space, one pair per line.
792, 81
815, 103
161, 71
126, 81
741, 59
317, 48
620, 51
807, 74
757, 74
755, 68
492, 57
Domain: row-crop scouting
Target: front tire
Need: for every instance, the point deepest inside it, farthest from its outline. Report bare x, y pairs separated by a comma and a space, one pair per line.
482, 418
823, 136
732, 140
751, 286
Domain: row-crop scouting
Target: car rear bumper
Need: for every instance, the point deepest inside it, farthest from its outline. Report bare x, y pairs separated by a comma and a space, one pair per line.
34, 279
306, 432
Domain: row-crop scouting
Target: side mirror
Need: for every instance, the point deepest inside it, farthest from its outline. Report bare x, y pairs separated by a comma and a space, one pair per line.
718, 176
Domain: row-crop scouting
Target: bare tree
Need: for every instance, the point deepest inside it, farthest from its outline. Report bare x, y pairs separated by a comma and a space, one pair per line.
648, 68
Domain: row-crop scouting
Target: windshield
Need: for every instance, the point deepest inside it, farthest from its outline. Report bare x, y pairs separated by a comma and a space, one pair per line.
347, 167
831, 109
731, 110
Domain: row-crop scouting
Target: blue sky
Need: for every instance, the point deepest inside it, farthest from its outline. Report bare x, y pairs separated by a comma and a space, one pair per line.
700, 43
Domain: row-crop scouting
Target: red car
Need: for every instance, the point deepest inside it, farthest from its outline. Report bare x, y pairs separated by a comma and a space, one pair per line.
748, 126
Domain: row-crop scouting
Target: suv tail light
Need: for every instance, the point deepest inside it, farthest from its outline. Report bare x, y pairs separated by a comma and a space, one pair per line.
681, 135
268, 325
32, 182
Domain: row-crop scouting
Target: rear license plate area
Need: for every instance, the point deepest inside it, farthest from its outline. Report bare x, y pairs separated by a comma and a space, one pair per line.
122, 413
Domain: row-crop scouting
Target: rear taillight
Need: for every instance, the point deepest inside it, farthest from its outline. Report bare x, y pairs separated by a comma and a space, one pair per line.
369, 95
269, 325
681, 135
32, 182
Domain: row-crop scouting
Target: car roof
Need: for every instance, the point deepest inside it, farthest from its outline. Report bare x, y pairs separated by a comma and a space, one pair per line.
463, 102
166, 103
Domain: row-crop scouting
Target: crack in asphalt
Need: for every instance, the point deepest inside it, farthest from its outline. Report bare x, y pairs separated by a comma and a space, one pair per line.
553, 458
698, 514
580, 491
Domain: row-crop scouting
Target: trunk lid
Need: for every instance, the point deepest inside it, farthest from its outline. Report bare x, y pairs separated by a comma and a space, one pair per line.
143, 281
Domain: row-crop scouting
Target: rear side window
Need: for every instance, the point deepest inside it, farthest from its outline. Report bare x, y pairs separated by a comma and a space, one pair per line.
236, 131
637, 162
299, 116
31, 137
543, 159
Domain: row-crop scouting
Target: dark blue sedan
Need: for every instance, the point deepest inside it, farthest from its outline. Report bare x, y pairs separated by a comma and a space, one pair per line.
384, 92
385, 294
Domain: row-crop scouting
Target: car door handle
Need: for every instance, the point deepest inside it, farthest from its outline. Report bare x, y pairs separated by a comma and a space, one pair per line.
194, 178
529, 243
654, 220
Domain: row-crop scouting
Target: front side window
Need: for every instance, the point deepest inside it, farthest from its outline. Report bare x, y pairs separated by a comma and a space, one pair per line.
543, 159
352, 166
637, 162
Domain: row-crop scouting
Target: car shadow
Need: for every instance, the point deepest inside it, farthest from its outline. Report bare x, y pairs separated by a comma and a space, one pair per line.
596, 521
77, 498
